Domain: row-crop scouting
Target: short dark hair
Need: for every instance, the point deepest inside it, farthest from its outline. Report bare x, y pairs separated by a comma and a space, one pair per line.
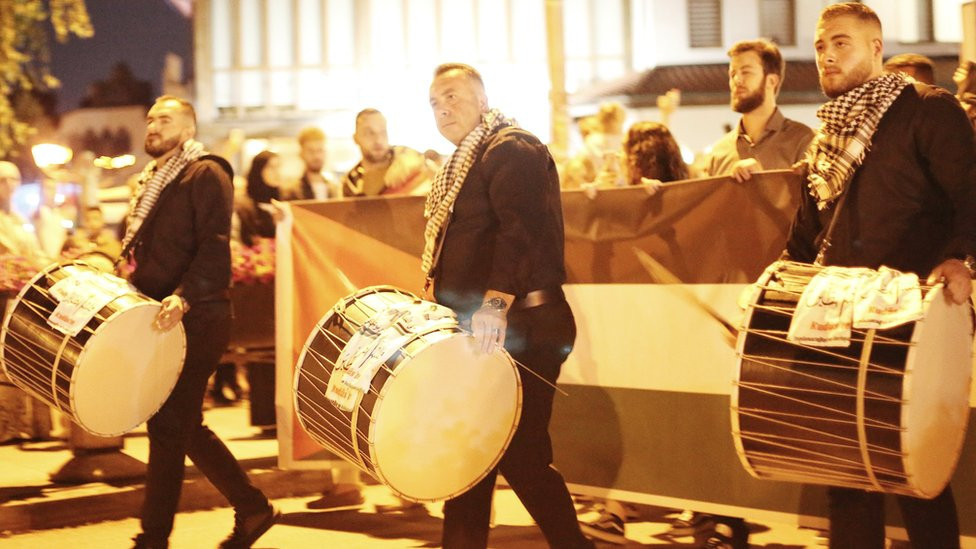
364, 113
853, 9
772, 60
468, 70
185, 105
923, 67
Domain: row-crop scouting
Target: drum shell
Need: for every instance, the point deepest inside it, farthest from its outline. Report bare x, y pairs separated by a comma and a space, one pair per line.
796, 411
48, 364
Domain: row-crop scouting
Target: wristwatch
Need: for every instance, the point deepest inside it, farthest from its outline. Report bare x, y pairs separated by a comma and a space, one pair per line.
495, 303
970, 263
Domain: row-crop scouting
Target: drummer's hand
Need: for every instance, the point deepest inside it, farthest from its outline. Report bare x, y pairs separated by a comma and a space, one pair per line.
955, 274
171, 312
489, 322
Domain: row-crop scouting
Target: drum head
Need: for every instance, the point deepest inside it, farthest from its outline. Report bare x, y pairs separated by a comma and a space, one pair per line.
127, 370
937, 377
446, 421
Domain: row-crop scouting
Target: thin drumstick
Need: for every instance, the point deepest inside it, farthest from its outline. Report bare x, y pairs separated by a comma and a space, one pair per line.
660, 274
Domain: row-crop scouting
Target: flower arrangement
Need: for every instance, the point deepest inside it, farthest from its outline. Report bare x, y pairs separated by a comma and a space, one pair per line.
15, 271
253, 264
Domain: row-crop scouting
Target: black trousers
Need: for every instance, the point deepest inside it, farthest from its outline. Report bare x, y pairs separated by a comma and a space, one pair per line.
857, 520
177, 430
541, 339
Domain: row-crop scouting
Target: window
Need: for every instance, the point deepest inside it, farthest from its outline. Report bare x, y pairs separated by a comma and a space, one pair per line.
926, 24
777, 21
705, 23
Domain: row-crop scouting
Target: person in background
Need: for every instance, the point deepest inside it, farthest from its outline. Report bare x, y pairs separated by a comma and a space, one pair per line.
965, 79
314, 183
263, 186
915, 65
384, 169
650, 156
15, 239
92, 242
763, 139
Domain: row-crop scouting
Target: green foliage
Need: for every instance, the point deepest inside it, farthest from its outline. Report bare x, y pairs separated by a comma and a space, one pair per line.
25, 55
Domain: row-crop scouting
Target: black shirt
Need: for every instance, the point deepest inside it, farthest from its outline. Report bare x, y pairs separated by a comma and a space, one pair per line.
912, 201
506, 229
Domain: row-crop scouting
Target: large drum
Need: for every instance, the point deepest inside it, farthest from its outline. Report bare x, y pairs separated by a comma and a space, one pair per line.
888, 413
389, 383
108, 370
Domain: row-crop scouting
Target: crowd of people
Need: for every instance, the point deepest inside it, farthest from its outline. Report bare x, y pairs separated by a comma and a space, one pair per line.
888, 179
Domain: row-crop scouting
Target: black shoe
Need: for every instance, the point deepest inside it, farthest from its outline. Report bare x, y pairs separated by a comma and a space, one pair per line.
728, 537
142, 542
607, 527
247, 529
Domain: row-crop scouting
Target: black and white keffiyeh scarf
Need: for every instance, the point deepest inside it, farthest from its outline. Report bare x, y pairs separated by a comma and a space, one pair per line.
848, 125
447, 182
151, 185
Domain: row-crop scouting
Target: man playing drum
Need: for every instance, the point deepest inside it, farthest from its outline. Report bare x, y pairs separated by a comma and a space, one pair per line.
494, 248
891, 180
178, 239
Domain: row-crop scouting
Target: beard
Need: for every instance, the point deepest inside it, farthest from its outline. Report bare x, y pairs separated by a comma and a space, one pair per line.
376, 157
162, 146
750, 102
857, 76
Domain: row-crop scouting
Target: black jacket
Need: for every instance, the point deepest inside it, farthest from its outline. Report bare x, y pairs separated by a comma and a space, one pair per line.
183, 246
506, 230
912, 202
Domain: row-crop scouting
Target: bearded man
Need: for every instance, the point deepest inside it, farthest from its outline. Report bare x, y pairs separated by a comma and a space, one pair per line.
764, 139
891, 180
177, 241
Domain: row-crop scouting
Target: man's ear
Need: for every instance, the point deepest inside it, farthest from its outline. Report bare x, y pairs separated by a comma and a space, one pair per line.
774, 81
878, 46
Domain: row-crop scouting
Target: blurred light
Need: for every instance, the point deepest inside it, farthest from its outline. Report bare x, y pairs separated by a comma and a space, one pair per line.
58, 198
28, 227
67, 224
687, 154
114, 162
49, 154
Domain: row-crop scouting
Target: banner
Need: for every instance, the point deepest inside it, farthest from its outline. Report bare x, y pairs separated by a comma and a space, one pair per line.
654, 282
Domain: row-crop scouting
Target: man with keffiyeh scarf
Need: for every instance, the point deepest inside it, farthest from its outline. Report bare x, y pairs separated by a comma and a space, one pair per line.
178, 243
494, 254
891, 180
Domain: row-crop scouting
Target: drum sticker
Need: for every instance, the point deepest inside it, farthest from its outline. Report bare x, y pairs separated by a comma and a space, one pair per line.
80, 297
839, 298
379, 338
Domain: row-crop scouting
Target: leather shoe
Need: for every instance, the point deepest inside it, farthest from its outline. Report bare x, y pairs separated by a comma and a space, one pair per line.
248, 528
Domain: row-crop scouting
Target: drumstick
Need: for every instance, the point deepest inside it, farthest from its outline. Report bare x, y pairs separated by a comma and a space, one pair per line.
660, 274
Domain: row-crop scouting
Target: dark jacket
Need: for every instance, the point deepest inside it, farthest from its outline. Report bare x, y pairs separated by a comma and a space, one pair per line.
912, 202
506, 230
183, 246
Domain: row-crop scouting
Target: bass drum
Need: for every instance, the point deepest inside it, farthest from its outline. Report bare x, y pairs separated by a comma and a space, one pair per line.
109, 378
887, 414
436, 415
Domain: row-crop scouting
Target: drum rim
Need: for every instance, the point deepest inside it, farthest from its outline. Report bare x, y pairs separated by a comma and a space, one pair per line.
494, 463
179, 369
936, 291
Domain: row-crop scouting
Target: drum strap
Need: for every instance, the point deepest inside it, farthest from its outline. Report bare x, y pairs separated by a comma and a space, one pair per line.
826, 242
862, 379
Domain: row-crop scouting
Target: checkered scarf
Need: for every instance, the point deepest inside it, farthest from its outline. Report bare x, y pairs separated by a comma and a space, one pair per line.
849, 123
447, 182
151, 185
